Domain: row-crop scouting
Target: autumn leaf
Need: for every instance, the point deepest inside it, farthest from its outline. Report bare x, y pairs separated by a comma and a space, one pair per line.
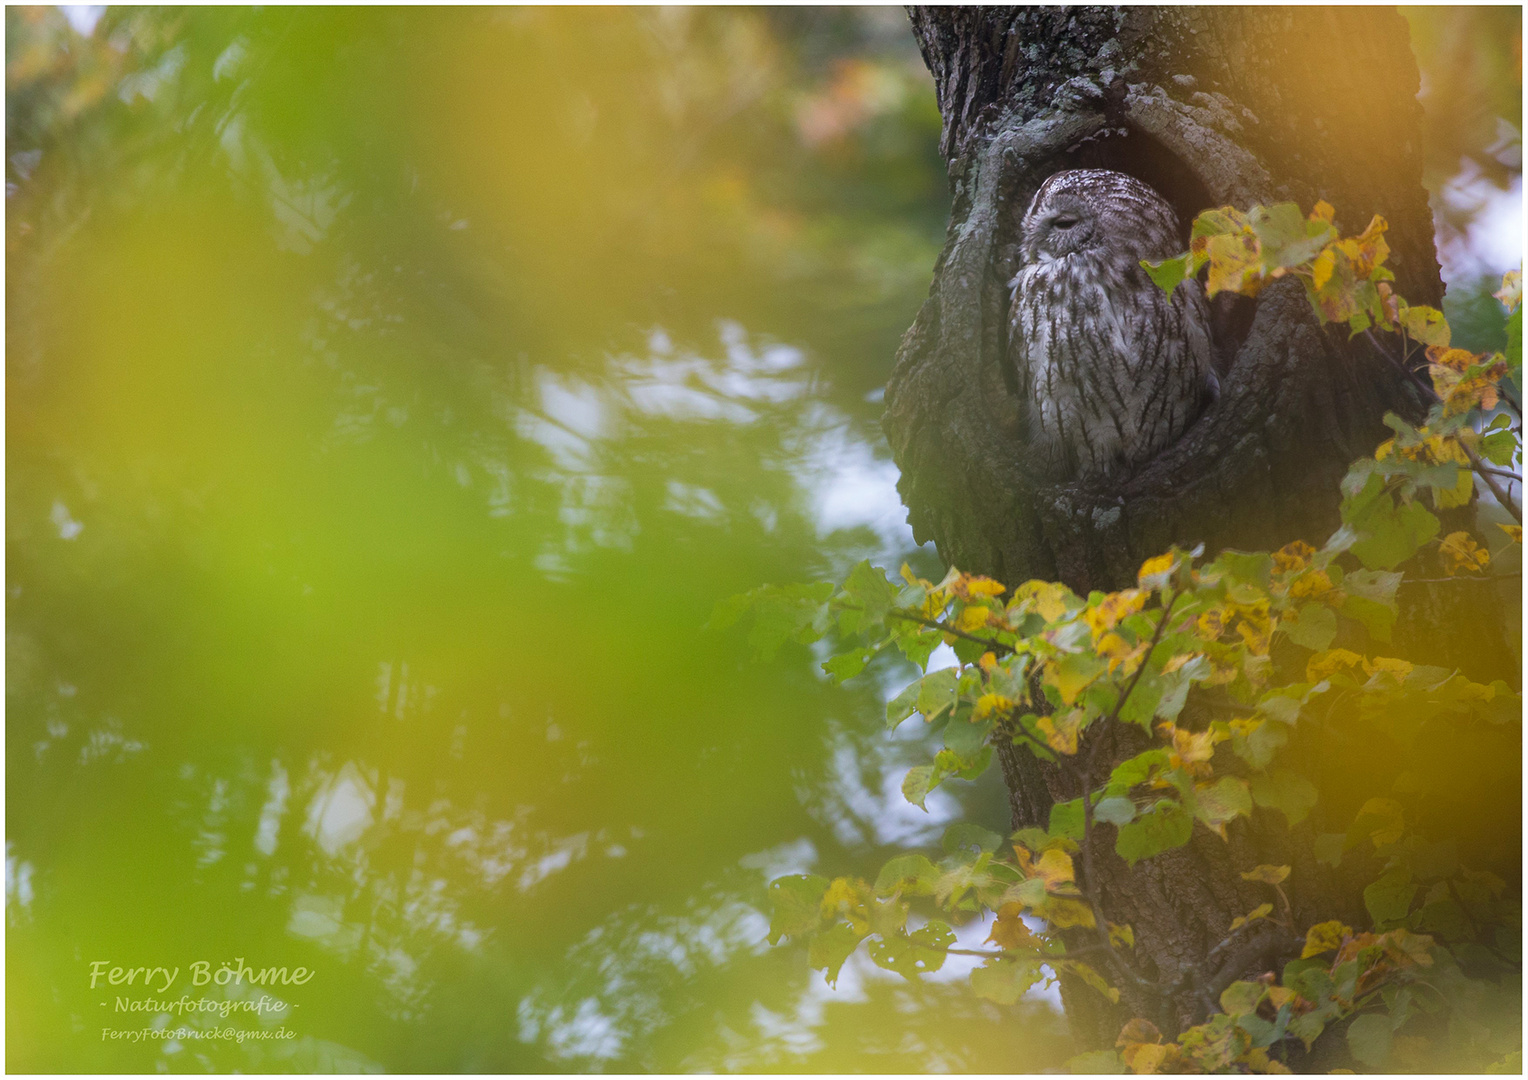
1511, 291
1055, 867
1262, 911
1009, 931
992, 704
1295, 555
1105, 615
1426, 325
1515, 532
1061, 731
1144, 1059
1324, 665
1324, 937
1155, 571
1138, 1031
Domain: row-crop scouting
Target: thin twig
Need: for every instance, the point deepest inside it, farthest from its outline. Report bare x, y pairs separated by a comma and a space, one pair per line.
1449, 580
1506, 474
935, 624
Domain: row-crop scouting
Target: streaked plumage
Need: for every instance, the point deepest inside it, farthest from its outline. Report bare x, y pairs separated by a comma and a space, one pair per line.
1112, 369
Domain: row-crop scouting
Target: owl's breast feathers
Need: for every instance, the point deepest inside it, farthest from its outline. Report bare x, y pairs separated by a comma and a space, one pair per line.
1112, 369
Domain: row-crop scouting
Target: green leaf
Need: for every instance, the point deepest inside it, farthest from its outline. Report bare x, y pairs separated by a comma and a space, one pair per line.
1073, 673
903, 705
912, 875
1288, 239
1376, 618
1287, 792
918, 953
1168, 273
961, 837
847, 665
1223, 801
936, 691
1329, 848
966, 739
1369, 1039
867, 586
1137, 770
1066, 819
1094, 1063
917, 784
830, 948
787, 613
797, 904
1391, 533
1005, 981
1241, 997
729, 611
1315, 627
1168, 825
1389, 898
1258, 747
1116, 810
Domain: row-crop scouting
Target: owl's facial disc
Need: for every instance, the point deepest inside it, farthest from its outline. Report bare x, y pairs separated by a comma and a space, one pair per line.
1065, 228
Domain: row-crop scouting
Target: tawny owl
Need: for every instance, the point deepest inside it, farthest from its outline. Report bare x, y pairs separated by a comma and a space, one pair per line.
1112, 369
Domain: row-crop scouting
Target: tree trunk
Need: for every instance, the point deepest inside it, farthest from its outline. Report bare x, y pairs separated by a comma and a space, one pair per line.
1210, 106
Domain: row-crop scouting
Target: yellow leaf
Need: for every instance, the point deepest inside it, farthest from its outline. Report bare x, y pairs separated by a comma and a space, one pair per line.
1262, 911
1268, 875
1462, 555
1112, 608
1049, 598
1161, 565
1295, 555
1514, 531
841, 896
1061, 731
1121, 935
1324, 937
1120, 653
1321, 269
971, 618
982, 586
1315, 584
1325, 664
987, 662
1323, 211
1055, 866
1280, 996
1062, 912
1212, 623
988, 704
1178, 661
1143, 1059
1399, 668
1009, 930
1235, 264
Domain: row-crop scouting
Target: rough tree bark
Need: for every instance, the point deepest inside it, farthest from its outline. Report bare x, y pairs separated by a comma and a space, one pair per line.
1211, 106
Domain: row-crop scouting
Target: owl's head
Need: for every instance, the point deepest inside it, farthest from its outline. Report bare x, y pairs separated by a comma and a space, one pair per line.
1098, 211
